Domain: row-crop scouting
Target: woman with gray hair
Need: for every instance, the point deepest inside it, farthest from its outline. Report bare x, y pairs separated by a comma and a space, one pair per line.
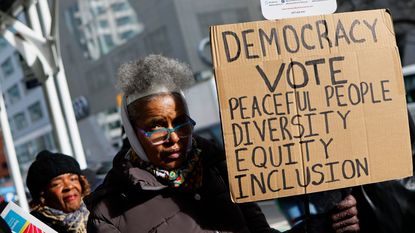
166, 179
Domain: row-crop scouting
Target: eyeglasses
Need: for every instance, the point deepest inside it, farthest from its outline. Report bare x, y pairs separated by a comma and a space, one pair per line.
162, 135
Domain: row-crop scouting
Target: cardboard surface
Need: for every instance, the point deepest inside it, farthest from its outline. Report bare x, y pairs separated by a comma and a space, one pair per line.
311, 104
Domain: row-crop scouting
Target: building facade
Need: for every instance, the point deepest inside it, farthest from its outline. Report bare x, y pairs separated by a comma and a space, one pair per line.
26, 108
98, 36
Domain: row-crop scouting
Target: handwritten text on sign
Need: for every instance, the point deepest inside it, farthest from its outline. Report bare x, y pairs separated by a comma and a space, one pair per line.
306, 103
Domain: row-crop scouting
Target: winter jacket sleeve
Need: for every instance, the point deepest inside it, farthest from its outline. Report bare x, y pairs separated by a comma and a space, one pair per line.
253, 215
98, 224
99, 220
255, 219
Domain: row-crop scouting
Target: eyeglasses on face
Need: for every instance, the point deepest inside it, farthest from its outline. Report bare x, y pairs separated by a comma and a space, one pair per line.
162, 135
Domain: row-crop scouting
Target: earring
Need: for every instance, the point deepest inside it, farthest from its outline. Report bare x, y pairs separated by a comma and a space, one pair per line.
42, 199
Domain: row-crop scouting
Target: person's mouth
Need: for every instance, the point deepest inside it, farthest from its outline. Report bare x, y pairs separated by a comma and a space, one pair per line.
70, 198
173, 154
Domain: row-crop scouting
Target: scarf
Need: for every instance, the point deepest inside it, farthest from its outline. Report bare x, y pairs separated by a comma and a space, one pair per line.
74, 222
188, 176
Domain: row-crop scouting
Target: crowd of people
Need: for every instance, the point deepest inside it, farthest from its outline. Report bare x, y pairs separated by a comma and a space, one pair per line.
167, 179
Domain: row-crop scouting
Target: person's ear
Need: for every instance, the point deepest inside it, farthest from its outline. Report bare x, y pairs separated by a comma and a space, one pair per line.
85, 185
42, 198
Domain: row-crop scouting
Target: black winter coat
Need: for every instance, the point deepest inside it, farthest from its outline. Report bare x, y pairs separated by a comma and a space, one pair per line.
133, 200
388, 207
50, 222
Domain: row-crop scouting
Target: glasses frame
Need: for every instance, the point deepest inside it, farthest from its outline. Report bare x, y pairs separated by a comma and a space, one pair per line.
169, 131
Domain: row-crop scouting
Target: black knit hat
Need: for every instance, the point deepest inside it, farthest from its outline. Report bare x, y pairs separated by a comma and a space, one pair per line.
47, 166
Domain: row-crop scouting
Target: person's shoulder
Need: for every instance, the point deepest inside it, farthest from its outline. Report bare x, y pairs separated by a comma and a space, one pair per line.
51, 222
210, 151
38, 215
98, 207
4, 228
104, 193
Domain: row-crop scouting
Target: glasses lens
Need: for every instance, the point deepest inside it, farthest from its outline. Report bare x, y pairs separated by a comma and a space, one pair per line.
159, 136
184, 130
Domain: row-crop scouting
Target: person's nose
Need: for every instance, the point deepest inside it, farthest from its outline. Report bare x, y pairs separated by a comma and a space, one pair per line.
68, 185
174, 137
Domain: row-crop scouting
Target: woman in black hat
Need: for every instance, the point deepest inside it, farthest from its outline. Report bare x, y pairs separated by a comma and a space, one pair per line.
57, 188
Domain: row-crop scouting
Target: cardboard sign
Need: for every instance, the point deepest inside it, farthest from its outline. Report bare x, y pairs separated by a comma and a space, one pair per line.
281, 9
311, 104
23, 222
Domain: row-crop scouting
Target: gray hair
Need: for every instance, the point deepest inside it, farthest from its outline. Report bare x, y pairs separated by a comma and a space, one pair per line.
154, 74
148, 75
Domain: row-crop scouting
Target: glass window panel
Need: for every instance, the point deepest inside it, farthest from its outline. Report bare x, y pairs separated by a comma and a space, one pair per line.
35, 112
119, 6
85, 20
123, 21
3, 43
20, 121
7, 67
13, 94
103, 23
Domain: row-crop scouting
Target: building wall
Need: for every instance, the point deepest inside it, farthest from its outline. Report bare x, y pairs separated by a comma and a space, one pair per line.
196, 17
26, 109
172, 28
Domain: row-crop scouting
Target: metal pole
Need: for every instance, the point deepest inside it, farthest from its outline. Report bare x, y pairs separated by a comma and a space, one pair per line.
52, 99
55, 112
70, 118
65, 96
11, 156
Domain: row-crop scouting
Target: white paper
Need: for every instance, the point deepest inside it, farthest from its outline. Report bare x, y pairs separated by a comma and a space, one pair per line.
21, 221
280, 9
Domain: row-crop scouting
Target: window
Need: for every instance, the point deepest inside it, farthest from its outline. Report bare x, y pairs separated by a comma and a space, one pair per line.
114, 125
97, 18
25, 152
35, 112
103, 23
41, 143
100, 10
20, 121
7, 67
3, 42
13, 94
119, 6
49, 141
126, 35
109, 42
123, 20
